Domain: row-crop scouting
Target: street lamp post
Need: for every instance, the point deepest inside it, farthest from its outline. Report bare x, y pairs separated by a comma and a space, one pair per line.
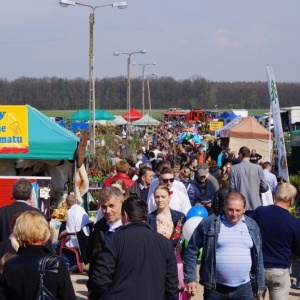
143, 82
128, 78
148, 89
92, 108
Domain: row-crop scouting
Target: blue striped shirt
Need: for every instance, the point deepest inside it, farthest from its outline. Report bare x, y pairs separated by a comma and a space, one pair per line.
233, 256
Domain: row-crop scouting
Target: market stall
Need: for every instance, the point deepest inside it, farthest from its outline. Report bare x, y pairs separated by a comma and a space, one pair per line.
246, 132
31, 143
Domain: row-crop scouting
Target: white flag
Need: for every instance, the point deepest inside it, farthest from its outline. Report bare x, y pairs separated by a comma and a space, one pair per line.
279, 137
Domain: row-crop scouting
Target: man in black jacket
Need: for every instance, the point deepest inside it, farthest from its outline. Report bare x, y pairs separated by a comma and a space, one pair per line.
22, 192
140, 188
110, 199
136, 263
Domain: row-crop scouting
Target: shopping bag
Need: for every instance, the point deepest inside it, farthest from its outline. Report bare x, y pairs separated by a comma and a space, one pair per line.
181, 284
184, 295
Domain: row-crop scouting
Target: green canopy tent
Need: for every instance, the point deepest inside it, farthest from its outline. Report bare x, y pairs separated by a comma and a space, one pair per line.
84, 115
47, 139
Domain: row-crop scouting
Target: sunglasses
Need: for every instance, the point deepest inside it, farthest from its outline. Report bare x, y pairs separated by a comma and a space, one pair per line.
168, 179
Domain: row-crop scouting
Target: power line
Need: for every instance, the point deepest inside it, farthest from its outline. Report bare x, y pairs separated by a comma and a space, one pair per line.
41, 41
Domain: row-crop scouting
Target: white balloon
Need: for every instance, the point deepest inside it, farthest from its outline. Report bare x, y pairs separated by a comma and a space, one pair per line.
189, 227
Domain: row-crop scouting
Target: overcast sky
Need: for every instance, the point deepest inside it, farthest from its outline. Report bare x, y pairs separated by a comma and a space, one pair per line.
220, 40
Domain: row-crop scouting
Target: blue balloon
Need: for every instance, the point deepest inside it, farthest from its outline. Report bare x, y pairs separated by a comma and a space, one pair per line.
197, 211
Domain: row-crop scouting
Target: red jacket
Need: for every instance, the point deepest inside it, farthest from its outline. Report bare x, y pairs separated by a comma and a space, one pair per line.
124, 177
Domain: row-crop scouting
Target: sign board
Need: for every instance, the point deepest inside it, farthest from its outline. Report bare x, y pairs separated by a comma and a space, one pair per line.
214, 125
13, 129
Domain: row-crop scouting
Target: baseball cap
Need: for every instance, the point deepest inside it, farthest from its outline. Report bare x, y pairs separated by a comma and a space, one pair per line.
201, 172
203, 166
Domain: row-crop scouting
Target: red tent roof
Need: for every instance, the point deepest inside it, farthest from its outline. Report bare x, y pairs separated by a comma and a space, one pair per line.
134, 115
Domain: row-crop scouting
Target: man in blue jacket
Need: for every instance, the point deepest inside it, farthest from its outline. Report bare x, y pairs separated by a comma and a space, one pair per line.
231, 262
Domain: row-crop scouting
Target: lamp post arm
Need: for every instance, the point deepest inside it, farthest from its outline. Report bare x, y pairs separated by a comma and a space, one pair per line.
94, 7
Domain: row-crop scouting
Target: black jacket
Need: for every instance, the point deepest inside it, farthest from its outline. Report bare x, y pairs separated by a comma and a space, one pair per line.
136, 263
219, 199
6, 215
96, 241
20, 278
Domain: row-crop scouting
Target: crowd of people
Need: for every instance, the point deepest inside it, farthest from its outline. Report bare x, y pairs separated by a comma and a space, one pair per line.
247, 240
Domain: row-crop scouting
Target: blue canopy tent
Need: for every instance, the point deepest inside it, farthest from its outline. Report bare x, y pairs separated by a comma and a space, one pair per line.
231, 117
224, 115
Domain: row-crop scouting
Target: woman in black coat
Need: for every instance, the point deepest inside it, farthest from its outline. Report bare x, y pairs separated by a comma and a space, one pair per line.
220, 195
21, 277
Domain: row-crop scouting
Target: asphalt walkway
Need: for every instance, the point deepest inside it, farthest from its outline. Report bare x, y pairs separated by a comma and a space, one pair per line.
79, 282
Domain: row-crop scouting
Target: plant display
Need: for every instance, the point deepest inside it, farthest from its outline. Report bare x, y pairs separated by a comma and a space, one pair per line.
96, 176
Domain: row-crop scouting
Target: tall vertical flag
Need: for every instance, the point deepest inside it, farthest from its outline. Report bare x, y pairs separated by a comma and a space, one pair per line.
279, 137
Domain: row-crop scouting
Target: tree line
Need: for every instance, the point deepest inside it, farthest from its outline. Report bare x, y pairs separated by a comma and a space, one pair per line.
53, 93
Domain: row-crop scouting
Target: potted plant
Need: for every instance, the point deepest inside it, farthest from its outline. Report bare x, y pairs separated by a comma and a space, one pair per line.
96, 178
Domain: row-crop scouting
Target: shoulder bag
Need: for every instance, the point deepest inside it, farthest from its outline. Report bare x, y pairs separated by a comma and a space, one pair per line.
43, 293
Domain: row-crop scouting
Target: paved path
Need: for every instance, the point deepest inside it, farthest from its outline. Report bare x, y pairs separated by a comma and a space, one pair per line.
79, 282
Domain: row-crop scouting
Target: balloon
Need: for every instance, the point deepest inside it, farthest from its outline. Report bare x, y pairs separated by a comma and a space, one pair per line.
197, 211
189, 227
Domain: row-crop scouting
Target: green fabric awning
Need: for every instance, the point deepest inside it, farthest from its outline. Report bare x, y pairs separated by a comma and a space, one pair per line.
84, 115
47, 139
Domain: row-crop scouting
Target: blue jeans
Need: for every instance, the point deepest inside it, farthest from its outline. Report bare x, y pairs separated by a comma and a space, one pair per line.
222, 292
68, 256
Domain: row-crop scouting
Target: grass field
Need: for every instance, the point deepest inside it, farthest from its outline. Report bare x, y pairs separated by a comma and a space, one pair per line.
156, 113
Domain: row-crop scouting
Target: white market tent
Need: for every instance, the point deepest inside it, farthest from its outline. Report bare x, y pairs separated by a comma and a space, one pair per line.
119, 120
146, 120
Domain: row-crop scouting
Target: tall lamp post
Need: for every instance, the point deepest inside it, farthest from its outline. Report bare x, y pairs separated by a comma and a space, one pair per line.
128, 78
216, 107
148, 90
143, 82
121, 5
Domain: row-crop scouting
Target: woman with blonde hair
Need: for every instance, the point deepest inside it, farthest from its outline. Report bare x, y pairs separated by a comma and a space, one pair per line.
21, 274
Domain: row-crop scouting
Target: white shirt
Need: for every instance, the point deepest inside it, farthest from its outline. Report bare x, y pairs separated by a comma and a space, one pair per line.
179, 201
178, 185
137, 165
77, 218
271, 179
